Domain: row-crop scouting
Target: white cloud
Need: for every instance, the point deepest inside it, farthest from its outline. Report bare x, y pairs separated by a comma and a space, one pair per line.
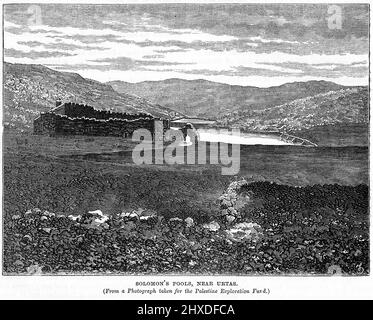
184, 35
261, 39
192, 59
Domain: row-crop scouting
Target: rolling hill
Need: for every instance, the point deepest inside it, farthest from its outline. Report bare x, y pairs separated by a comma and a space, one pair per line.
333, 118
30, 89
316, 110
203, 98
343, 106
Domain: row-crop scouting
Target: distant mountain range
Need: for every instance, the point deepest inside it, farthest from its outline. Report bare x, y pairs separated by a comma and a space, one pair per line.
203, 98
310, 109
31, 89
323, 112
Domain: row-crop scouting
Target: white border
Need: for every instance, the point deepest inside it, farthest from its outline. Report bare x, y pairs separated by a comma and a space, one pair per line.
90, 287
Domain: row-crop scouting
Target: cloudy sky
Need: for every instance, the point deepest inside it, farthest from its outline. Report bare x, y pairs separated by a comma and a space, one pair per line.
253, 45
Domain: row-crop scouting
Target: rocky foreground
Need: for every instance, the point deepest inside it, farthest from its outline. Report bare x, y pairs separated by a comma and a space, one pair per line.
263, 228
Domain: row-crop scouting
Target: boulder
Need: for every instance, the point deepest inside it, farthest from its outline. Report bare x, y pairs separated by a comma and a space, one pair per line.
189, 222
245, 231
212, 226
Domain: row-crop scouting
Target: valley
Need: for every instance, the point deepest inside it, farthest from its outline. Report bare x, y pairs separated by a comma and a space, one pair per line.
80, 205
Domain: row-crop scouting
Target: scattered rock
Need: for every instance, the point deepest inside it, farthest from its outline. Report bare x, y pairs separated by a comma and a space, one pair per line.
100, 217
230, 218
34, 270
212, 226
192, 263
245, 231
334, 270
130, 215
27, 237
19, 263
75, 218
147, 214
49, 214
231, 202
308, 242
189, 222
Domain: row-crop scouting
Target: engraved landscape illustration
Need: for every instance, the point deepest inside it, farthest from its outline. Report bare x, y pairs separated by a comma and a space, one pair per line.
189, 139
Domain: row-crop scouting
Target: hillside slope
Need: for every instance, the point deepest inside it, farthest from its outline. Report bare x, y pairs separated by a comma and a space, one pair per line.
210, 99
342, 106
333, 118
30, 89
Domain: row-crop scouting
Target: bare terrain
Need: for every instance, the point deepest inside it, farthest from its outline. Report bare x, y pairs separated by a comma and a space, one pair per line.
308, 208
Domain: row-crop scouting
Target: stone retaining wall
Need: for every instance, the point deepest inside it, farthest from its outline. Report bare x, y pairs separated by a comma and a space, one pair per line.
51, 123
